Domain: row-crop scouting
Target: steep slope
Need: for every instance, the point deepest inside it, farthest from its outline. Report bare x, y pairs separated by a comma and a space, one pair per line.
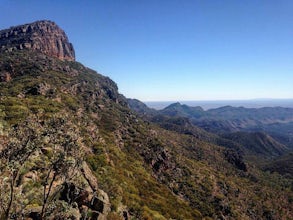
44, 100
141, 108
257, 144
72, 149
282, 165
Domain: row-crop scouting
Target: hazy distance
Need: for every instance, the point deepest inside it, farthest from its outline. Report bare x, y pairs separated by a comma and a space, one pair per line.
209, 104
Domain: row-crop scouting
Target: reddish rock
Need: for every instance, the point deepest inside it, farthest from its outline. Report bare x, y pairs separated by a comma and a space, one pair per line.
42, 36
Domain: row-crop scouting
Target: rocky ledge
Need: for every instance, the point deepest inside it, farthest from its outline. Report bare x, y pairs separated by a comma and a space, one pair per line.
42, 36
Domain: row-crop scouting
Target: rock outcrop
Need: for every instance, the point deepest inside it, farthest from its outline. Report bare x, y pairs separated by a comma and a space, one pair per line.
42, 36
98, 201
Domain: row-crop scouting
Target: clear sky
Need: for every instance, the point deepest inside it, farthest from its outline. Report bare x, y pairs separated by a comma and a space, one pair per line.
176, 49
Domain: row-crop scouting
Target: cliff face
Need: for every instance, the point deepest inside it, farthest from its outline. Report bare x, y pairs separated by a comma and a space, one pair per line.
42, 36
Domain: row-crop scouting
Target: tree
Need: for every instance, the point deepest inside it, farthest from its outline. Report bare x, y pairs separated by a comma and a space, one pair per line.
23, 143
66, 158
55, 142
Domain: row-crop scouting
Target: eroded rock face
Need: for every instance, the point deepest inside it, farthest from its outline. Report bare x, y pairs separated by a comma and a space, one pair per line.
42, 36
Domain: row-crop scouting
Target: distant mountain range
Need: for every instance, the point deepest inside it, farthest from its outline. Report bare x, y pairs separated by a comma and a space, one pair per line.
260, 132
209, 104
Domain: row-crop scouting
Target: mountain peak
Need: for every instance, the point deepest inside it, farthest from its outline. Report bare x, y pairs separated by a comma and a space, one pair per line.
42, 36
174, 105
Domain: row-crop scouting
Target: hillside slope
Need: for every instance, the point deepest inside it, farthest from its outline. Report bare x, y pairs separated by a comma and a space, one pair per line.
257, 144
283, 165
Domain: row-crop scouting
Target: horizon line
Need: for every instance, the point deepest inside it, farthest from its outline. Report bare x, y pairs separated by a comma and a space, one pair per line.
220, 100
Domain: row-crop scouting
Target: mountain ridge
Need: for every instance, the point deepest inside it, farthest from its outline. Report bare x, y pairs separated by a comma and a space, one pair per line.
245, 127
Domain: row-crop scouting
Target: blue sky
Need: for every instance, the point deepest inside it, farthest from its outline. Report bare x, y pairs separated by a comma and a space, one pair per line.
176, 49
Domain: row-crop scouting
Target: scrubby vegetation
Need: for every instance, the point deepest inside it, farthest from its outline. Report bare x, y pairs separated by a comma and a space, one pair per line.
65, 128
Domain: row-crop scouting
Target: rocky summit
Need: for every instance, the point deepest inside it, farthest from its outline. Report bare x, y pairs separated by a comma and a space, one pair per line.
43, 36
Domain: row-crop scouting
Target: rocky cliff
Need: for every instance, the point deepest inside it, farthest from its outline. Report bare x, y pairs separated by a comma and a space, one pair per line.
42, 36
